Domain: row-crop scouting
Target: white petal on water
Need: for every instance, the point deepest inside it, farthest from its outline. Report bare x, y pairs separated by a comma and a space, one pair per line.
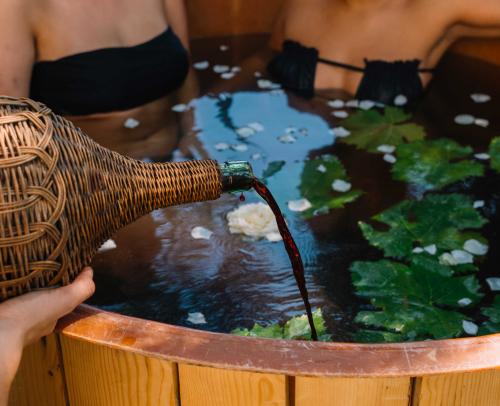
220, 68
481, 122
475, 247
418, 250
108, 245
462, 257
340, 114
257, 74
321, 168
256, 156
447, 259
221, 146
201, 233
299, 205
256, 126
341, 132
236, 69
464, 119
287, 139
431, 249
227, 75
340, 185
239, 147
291, 130
303, 131
202, 65
274, 237
267, 84
386, 149
400, 100
131, 123
336, 104
223, 48
464, 302
390, 158
482, 156
480, 97
494, 284
196, 318
478, 204
366, 104
245, 132
470, 327
352, 103
277, 92
180, 108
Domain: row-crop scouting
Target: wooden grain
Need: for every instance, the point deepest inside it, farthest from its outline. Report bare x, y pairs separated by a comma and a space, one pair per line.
480, 388
352, 391
39, 380
202, 386
97, 375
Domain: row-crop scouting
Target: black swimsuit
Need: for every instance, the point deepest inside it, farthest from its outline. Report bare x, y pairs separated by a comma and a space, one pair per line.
295, 69
111, 79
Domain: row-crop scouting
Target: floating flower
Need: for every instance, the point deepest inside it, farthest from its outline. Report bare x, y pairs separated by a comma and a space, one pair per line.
254, 220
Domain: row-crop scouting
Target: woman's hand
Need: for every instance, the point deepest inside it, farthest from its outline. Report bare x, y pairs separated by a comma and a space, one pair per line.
27, 318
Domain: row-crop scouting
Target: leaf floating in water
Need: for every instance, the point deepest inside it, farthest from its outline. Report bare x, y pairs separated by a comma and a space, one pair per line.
254, 220
340, 114
196, 318
273, 168
131, 123
475, 247
478, 204
464, 119
386, 149
180, 108
370, 129
202, 65
287, 139
256, 126
108, 245
481, 122
341, 132
340, 185
482, 156
480, 97
389, 158
299, 205
239, 147
336, 104
245, 132
495, 153
400, 100
434, 164
201, 233
221, 146
227, 75
470, 327
366, 104
220, 68
493, 283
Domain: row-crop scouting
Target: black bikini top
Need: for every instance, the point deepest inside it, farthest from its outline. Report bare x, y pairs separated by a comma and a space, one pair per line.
111, 79
295, 69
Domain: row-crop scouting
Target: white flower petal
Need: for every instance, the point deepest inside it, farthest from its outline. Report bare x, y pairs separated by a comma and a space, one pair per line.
291, 130
340, 185
462, 257
431, 249
202, 65
390, 158
236, 69
227, 75
239, 147
352, 103
321, 168
201, 233
482, 156
299, 205
274, 237
480, 97
180, 108
108, 245
223, 48
256, 126
256, 156
341, 132
478, 204
386, 149
400, 100
245, 132
418, 250
336, 104
481, 122
464, 119
196, 318
267, 84
475, 247
366, 104
257, 74
340, 114
464, 302
221, 146
447, 259
494, 284
131, 123
470, 327
287, 139
220, 68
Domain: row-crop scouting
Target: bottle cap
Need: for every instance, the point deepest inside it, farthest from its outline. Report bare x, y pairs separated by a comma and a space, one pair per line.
237, 176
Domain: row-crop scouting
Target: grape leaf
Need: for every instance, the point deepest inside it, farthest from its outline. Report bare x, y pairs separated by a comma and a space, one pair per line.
370, 129
316, 186
434, 164
495, 153
272, 168
416, 301
493, 313
436, 219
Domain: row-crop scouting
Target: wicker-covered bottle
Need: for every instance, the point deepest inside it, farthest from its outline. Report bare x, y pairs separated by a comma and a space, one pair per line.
62, 195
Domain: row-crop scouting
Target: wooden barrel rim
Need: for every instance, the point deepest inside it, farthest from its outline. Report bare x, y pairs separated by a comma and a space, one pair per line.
299, 358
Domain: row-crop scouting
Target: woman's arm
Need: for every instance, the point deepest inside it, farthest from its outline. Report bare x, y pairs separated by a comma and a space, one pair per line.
175, 11
17, 49
480, 13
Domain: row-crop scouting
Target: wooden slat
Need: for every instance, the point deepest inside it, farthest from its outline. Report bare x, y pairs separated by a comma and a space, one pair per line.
352, 391
39, 380
97, 375
203, 386
466, 389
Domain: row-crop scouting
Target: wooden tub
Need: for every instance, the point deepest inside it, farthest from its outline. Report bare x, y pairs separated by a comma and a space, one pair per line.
99, 358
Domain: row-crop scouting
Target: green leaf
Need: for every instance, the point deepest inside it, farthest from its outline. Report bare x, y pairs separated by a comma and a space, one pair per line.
273, 168
316, 186
370, 129
492, 325
436, 219
495, 153
434, 164
376, 336
416, 300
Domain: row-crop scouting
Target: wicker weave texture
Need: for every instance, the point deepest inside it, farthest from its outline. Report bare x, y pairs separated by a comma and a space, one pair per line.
62, 195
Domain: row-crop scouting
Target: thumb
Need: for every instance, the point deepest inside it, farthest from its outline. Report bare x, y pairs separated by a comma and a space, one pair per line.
70, 296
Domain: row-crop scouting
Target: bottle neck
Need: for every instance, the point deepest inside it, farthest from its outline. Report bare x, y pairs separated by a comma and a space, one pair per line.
236, 176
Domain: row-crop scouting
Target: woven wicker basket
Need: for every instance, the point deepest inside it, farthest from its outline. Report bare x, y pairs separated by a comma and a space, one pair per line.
62, 195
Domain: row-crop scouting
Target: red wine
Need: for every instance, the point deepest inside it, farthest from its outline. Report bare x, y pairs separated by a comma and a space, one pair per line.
291, 249
242, 197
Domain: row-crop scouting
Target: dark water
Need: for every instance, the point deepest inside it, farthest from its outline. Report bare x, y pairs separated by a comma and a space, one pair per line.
159, 272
